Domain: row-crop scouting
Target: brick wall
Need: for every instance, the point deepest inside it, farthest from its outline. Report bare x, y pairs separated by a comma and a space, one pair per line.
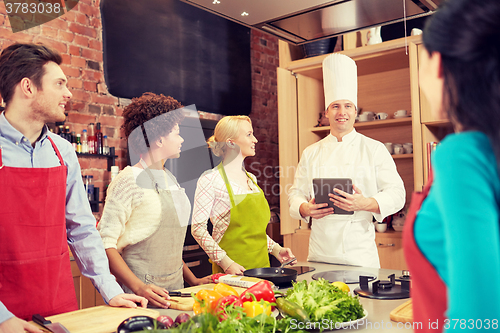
77, 35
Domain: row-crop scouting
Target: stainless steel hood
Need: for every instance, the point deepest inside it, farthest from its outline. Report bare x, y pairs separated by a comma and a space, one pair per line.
302, 21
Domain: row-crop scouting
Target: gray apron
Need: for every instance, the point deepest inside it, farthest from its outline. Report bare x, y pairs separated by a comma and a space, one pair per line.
158, 259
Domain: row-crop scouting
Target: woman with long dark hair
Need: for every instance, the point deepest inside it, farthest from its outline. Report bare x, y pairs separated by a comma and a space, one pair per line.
452, 246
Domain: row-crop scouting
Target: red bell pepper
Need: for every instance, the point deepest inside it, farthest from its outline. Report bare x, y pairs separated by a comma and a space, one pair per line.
215, 277
220, 310
261, 290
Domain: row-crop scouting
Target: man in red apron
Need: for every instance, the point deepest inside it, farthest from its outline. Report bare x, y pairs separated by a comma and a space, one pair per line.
44, 204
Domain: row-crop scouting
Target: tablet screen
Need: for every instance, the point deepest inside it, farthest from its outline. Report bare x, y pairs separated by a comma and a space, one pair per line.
323, 186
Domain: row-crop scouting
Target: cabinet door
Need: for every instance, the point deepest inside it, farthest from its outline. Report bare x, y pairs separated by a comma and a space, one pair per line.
390, 251
287, 133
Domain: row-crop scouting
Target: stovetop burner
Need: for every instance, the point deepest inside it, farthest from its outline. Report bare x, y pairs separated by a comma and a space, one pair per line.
383, 289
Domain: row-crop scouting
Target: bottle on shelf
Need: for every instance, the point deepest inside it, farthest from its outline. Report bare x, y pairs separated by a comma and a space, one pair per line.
91, 139
67, 134
105, 146
85, 143
60, 131
98, 139
114, 171
73, 140
90, 187
78, 143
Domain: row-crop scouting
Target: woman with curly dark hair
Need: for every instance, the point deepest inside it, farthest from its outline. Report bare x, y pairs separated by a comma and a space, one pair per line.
452, 241
146, 214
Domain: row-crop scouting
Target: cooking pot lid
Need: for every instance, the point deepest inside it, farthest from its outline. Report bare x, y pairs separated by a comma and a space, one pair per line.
349, 277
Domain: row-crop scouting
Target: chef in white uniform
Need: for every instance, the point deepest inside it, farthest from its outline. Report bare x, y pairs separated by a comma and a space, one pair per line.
378, 190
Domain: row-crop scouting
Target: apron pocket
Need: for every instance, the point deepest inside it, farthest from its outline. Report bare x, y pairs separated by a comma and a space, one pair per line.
47, 281
173, 281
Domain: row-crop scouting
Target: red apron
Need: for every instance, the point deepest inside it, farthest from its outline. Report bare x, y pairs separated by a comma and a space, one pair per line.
35, 271
428, 291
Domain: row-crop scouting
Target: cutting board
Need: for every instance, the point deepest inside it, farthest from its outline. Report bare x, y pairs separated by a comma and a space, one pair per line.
99, 319
403, 313
186, 303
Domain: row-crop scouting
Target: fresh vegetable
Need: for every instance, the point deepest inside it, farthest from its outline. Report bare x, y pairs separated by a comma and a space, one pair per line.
166, 320
255, 308
209, 298
321, 300
197, 307
224, 303
225, 290
342, 286
261, 290
237, 322
215, 277
291, 309
181, 318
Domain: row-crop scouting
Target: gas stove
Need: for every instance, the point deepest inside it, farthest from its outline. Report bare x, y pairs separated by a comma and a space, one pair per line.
383, 289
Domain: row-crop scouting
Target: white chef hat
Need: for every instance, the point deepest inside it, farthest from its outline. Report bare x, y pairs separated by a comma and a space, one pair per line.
340, 79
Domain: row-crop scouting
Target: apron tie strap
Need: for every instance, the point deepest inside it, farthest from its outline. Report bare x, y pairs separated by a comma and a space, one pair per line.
56, 150
1, 161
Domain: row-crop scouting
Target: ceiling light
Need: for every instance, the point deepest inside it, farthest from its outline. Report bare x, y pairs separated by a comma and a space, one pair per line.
216, 2
244, 14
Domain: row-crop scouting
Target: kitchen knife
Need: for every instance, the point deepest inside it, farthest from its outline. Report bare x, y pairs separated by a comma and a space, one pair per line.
53, 327
178, 294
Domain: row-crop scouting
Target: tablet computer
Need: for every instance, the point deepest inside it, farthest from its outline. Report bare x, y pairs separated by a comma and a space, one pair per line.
323, 186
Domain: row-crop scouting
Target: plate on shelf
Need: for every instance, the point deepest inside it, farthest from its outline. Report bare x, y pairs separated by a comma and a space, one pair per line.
399, 117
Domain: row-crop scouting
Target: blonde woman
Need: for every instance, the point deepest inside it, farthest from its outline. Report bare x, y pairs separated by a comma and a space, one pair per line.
235, 204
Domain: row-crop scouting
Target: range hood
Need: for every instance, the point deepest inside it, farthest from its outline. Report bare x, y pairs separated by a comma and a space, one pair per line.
303, 21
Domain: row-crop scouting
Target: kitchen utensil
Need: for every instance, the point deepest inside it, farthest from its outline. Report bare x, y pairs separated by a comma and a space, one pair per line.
381, 116
389, 147
277, 276
284, 264
99, 319
408, 147
53, 327
383, 289
381, 227
401, 113
403, 313
348, 277
178, 294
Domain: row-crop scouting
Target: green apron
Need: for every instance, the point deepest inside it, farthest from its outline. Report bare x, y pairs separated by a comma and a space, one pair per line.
245, 239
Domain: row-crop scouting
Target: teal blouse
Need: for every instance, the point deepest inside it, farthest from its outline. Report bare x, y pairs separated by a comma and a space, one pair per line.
457, 229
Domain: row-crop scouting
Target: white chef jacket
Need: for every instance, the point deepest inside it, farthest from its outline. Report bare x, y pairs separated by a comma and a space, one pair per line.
347, 239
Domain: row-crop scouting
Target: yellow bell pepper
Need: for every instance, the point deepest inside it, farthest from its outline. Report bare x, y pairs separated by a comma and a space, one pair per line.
255, 308
225, 290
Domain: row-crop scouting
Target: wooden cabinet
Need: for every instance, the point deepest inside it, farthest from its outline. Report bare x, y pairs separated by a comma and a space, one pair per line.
390, 249
387, 81
426, 127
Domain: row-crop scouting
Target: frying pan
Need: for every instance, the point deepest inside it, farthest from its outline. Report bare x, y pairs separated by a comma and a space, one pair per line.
277, 275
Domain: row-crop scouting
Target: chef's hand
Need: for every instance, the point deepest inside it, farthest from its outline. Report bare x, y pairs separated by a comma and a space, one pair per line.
155, 295
235, 269
354, 202
128, 301
16, 325
316, 211
286, 254
203, 280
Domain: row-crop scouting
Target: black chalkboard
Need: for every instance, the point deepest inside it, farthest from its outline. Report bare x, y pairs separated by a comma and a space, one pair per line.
170, 47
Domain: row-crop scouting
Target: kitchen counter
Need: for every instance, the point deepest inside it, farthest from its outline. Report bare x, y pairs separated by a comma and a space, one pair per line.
378, 310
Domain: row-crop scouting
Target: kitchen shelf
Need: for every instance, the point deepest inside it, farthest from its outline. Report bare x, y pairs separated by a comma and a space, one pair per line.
402, 156
370, 124
111, 158
438, 123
